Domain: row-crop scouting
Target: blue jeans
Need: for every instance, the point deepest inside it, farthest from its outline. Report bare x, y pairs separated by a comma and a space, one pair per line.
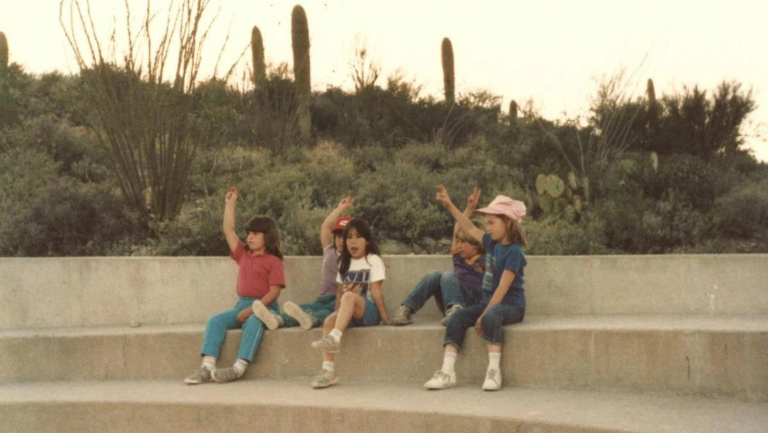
493, 323
253, 330
444, 287
321, 308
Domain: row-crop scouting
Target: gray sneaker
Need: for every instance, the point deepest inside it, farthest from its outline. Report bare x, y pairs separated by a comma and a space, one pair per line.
325, 379
202, 375
224, 375
402, 316
327, 344
449, 313
305, 318
270, 319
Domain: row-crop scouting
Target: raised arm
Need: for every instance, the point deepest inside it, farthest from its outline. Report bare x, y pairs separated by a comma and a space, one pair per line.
326, 230
228, 227
464, 222
472, 201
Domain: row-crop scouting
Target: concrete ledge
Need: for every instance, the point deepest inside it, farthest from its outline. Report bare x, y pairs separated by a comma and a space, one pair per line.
78, 292
722, 356
290, 407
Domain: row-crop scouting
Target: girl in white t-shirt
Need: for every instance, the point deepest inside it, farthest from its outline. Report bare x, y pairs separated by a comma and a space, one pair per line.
360, 301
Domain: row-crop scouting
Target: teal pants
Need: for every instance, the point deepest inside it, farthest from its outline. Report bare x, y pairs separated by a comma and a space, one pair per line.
253, 330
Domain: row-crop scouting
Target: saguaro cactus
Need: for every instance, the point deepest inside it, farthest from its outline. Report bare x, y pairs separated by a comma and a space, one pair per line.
653, 107
512, 112
3, 51
449, 78
301, 68
257, 51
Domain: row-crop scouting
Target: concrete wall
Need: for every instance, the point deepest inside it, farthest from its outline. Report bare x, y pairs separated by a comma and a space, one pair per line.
76, 292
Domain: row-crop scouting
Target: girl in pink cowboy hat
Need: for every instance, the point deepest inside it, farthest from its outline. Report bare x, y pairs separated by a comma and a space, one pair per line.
503, 295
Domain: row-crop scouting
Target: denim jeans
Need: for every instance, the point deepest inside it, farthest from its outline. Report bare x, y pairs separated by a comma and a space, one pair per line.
321, 308
253, 330
493, 323
444, 287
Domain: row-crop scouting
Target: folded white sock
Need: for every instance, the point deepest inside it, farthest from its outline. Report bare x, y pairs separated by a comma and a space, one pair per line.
449, 360
240, 366
209, 362
493, 361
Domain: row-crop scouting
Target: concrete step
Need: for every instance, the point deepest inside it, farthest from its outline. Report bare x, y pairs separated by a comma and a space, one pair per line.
718, 355
93, 291
371, 407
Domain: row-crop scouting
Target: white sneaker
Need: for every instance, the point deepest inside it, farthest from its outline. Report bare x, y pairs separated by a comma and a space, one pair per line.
306, 320
270, 319
492, 380
441, 380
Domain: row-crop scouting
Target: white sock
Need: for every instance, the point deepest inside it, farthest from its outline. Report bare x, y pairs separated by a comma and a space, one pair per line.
328, 365
209, 362
336, 335
449, 360
240, 366
493, 361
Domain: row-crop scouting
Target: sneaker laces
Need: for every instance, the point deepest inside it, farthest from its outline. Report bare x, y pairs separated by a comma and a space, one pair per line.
491, 375
440, 374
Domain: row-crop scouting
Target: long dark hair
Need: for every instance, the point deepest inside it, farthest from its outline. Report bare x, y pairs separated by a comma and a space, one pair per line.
364, 230
266, 225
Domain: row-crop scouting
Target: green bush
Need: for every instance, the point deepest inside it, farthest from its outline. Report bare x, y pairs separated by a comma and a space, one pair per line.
744, 211
47, 214
559, 237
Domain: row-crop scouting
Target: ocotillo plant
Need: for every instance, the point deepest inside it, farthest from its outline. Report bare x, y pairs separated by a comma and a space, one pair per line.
3, 51
257, 51
301, 68
449, 78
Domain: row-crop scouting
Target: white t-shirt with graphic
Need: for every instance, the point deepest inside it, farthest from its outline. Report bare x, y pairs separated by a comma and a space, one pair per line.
362, 272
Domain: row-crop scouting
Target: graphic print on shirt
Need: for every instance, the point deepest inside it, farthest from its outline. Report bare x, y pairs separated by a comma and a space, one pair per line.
490, 262
479, 266
356, 281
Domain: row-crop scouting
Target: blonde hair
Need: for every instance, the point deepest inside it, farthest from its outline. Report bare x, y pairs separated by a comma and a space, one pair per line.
464, 237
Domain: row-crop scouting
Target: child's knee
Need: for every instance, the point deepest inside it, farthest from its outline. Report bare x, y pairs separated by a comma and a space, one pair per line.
434, 275
349, 297
253, 322
446, 278
492, 319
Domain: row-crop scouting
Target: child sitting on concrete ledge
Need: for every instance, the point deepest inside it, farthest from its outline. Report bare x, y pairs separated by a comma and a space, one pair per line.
503, 294
452, 290
314, 314
260, 277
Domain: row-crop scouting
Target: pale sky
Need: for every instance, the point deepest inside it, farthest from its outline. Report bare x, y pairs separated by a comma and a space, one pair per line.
548, 50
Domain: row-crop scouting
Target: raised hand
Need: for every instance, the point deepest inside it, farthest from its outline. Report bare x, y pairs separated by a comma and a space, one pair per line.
231, 196
473, 199
442, 196
346, 202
